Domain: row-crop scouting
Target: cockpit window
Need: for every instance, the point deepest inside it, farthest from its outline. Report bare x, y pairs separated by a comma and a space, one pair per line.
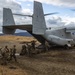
48, 28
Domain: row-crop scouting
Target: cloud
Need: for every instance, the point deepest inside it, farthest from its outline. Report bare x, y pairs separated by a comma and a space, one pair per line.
12, 4
67, 3
28, 4
26, 11
68, 20
55, 20
22, 20
16, 8
60, 21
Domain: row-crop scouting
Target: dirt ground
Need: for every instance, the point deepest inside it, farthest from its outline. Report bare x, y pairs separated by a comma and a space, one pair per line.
56, 61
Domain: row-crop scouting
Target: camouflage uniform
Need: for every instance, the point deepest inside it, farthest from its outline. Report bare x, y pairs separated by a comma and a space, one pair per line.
33, 45
13, 52
0, 52
46, 46
4, 58
6, 52
28, 50
5, 55
23, 51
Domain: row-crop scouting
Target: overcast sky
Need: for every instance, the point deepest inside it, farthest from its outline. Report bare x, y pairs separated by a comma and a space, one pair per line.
65, 17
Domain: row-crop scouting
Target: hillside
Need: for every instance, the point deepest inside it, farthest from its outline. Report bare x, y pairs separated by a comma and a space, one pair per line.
20, 34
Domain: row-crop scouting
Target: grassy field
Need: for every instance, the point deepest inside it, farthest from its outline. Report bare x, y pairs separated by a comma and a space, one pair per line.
56, 61
10, 40
15, 38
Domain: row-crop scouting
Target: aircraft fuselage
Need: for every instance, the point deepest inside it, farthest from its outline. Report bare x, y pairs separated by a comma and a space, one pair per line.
59, 37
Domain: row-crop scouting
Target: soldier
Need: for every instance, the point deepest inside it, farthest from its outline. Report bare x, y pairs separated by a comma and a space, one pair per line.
33, 46
46, 46
13, 52
4, 55
23, 51
0, 51
6, 49
4, 58
6, 52
28, 50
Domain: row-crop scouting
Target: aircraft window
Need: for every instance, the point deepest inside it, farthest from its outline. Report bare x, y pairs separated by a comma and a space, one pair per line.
49, 28
73, 33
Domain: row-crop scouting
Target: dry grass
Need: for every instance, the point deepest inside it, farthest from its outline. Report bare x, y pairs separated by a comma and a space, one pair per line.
10, 40
5, 70
54, 62
15, 38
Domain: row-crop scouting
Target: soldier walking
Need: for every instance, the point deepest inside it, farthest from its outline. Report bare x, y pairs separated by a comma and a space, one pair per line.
6, 52
5, 55
13, 52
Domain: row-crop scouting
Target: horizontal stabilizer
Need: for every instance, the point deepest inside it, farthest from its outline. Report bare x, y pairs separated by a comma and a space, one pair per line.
27, 27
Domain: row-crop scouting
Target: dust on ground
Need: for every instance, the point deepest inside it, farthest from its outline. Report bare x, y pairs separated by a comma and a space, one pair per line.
56, 61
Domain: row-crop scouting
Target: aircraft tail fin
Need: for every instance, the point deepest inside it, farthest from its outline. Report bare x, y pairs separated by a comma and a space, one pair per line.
38, 20
8, 20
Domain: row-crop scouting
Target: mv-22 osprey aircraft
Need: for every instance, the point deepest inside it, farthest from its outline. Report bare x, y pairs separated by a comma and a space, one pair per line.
62, 36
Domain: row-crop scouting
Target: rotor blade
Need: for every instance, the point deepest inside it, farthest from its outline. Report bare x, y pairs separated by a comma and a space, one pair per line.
32, 15
22, 15
50, 13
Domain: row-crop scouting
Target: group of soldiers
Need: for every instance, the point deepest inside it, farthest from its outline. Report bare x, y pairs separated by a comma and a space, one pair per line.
7, 54
28, 49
